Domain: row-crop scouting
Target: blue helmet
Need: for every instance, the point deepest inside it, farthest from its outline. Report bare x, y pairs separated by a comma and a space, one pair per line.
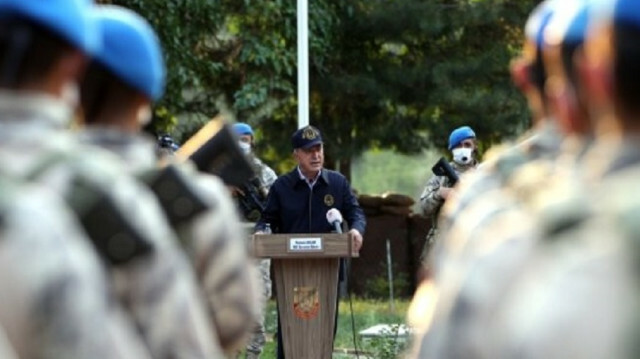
131, 50
242, 128
69, 19
460, 134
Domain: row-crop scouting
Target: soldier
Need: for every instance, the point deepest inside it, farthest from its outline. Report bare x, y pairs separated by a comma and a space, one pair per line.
479, 206
6, 351
55, 297
463, 146
44, 58
299, 200
260, 185
114, 95
251, 204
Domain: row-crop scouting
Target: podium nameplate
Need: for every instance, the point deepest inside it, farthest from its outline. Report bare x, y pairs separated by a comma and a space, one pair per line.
309, 244
302, 245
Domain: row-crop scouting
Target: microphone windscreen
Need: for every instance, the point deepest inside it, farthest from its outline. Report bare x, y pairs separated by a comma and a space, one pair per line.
334, 215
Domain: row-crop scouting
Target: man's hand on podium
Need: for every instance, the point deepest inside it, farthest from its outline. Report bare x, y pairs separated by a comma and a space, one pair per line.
356, 237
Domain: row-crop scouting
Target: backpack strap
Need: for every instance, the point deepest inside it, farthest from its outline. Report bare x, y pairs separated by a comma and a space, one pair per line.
175, 192
115, 239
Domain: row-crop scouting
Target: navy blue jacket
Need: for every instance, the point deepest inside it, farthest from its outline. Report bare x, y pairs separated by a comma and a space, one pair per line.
292, 207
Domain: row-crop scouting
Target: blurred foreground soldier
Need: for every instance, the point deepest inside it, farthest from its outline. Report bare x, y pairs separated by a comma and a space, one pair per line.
55, 299
479, 203
462, 144
46, 52
299, 200
43, 50
251, 198
116, 97
6, 350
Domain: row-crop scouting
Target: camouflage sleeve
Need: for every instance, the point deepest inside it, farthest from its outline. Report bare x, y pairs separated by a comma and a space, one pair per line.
161, 288
157, 288
267, 174
55, 302
224, 270
6, 351
430, 200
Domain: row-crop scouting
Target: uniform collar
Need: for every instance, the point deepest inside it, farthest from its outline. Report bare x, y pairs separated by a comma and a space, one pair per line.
138, 151
21, 107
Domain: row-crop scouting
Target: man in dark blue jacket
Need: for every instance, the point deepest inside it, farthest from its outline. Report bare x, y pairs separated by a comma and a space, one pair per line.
298, 201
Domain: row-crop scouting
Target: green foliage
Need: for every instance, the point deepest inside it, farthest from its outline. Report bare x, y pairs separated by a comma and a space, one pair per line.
366, 313
388, 346
378, 287
376, 172
396, 75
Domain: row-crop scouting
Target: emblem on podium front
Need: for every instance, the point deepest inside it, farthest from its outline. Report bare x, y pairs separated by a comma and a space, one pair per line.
306, 302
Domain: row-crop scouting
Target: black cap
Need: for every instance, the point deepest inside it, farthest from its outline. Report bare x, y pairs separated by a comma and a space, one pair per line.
306, 137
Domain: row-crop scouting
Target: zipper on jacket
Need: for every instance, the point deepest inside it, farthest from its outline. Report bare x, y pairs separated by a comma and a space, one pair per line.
310, 196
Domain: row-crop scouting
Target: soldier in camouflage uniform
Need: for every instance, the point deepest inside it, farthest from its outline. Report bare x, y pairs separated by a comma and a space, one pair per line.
520, 299
6, 351
211, 235
55, 300
149, 273
266, 177
478, 208
462, 144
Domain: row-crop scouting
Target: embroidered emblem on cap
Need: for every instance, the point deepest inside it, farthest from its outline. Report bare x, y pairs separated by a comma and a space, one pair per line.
309, 133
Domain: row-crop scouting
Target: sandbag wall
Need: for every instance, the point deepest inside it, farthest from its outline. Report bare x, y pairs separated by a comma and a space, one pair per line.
389, 217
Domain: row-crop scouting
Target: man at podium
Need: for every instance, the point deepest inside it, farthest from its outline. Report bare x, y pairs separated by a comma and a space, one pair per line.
298, 201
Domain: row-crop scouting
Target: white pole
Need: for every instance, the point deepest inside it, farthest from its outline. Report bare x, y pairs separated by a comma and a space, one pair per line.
303, 64
390, 277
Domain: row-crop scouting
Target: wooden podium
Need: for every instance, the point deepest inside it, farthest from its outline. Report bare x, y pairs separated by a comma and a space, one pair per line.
306, 276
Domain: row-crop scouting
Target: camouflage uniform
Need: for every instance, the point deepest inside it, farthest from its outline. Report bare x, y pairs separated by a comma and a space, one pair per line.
6, 351
589, 252
157, 287
55, 300
490, 232
431, 202
212, 238
257, 339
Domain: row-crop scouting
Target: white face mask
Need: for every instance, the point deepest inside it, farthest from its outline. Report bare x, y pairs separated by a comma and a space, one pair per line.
462, 155
245, 147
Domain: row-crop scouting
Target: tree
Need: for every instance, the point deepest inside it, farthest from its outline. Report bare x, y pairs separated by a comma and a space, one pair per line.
397, 74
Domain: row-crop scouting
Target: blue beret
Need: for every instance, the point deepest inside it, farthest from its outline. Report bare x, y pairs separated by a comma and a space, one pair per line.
538, 21
69, 19
306, 137
577, 30
242, 128
627, 11
131, 50
460, 134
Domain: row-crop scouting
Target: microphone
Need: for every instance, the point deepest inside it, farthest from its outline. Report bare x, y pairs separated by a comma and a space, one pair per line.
334, 217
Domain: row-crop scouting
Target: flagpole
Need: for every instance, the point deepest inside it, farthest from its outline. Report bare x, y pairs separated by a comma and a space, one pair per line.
303, 63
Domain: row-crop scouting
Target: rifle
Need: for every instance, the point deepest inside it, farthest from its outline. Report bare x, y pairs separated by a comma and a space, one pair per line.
253, 202
214, 149
443, 168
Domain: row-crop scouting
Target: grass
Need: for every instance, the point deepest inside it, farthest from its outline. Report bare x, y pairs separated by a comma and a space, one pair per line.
366, 313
